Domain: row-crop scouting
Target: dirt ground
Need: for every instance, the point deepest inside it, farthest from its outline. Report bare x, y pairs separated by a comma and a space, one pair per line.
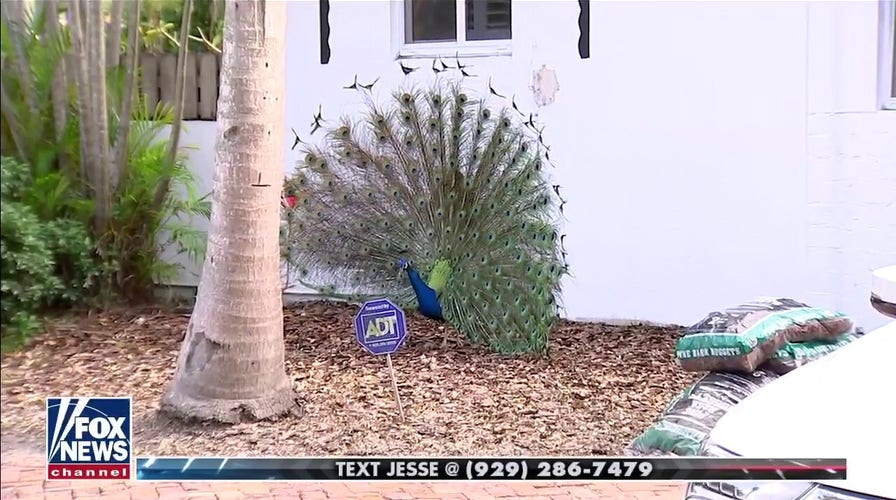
598, 388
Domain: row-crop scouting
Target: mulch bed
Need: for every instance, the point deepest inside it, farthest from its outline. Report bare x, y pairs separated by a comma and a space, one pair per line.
599, 386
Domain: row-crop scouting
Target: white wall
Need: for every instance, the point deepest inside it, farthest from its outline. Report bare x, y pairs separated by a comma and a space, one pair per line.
710, 151
851, 159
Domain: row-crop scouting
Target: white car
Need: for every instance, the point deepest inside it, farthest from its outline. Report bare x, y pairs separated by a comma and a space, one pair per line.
841, 406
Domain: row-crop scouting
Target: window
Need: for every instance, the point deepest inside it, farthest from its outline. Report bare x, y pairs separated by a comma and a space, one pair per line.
433, 28
888, 54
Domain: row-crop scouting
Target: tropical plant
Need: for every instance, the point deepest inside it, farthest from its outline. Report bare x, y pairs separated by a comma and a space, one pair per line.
95, 152
161, 21
45, 263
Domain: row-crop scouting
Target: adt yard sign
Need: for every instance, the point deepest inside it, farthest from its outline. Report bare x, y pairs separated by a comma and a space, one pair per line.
380, 326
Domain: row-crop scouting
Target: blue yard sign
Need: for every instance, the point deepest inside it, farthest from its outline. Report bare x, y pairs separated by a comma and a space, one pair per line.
380, 326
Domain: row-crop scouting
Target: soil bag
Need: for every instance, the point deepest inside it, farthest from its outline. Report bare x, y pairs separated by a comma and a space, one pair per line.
742, 338
691, 415
796, 354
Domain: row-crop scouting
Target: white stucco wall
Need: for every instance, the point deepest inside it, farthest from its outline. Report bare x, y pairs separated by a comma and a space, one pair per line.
710, 151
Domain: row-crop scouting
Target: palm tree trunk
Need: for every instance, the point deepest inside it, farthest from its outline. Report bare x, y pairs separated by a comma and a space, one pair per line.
96, 27
119, 168
87, 120
180, 77
15, 12
59, 91
231, 364
113, 38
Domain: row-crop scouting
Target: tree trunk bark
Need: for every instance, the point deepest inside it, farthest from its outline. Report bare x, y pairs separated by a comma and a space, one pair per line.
113, 38
231, 365
180, 80
59, 91
96, 27
119, 168
87, 120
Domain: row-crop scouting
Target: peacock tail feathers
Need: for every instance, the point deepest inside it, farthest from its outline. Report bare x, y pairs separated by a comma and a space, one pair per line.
442, 179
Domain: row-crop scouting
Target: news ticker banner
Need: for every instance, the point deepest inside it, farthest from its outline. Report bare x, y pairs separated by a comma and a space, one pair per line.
491, 469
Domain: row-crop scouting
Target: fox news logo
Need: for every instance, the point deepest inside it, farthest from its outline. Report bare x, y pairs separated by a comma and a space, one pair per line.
88, 438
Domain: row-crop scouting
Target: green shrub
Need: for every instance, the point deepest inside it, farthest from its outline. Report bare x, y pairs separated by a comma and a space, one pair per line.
55, 186
44, 263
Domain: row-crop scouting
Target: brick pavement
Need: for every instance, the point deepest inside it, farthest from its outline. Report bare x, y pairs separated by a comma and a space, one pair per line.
22, 477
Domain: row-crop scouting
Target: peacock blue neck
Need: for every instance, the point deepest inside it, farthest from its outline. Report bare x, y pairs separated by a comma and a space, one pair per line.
427, 298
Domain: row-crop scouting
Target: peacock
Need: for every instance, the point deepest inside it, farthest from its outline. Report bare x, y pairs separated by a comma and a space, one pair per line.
437, 201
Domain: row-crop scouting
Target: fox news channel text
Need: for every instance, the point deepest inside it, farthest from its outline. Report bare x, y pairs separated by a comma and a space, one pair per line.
491, 469
88, 438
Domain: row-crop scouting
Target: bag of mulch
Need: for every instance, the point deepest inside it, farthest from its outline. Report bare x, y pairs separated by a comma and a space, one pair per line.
742, 338
796, 354
689, 418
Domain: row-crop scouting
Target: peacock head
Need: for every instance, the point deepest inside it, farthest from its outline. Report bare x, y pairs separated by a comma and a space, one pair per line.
403, 263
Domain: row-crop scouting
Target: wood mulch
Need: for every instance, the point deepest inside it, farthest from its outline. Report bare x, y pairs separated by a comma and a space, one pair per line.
598, 387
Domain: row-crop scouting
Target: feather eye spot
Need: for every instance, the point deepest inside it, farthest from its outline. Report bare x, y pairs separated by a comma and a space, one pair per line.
505, 123
486, 114
432, 125
440, 213
461, 98
407, 98
437, 99
406, 117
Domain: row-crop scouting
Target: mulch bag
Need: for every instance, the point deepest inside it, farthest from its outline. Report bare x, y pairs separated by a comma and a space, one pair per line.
742, 338
796, 354
689, 418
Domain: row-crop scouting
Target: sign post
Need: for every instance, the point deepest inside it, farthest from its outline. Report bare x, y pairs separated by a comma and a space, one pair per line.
380, 329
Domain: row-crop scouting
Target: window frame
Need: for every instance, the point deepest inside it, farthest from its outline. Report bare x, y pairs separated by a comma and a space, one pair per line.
400, 11
887, 17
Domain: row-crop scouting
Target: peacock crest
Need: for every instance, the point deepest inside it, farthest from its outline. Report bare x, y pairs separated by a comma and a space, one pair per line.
435, 182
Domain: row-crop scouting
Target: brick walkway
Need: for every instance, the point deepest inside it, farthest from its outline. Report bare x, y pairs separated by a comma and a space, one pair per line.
23, 477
